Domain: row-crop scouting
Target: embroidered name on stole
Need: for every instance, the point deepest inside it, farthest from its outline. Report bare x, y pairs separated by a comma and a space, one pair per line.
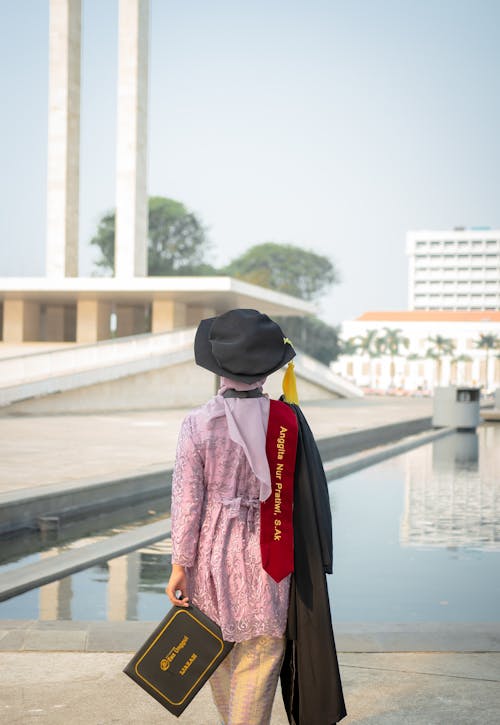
276, 512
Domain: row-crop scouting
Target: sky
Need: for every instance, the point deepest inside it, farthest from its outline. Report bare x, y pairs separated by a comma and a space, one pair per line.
335, 125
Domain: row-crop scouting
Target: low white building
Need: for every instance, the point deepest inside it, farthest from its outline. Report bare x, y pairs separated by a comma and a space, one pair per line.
413, 369
83, 309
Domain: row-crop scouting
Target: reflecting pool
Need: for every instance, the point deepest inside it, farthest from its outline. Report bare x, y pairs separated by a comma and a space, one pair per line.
416, 538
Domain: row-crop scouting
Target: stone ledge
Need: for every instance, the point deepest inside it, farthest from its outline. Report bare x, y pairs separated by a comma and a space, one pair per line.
354, 637
23, 578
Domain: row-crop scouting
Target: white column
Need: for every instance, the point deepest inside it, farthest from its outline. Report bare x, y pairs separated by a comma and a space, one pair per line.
92, 320
21, 320
64, 138
131, 152
168, 315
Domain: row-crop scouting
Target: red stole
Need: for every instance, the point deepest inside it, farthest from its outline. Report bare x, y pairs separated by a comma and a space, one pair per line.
276, 513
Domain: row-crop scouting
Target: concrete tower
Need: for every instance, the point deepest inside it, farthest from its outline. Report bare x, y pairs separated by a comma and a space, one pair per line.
64, 138
131, 155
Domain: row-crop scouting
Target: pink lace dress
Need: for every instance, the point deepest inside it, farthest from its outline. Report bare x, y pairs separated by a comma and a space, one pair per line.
216, 531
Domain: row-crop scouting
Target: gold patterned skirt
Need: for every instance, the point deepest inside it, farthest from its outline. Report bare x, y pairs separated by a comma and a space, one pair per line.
244, 684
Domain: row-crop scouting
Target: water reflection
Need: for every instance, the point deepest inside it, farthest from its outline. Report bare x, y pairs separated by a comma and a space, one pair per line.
452, 492
123, 588
416, 538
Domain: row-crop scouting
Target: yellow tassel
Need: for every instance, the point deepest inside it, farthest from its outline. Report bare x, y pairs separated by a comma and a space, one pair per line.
290, 385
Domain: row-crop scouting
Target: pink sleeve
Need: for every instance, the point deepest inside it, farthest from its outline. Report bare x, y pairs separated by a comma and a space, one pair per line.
187, 497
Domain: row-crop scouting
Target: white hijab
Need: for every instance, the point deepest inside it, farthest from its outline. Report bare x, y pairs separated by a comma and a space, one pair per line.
247, 420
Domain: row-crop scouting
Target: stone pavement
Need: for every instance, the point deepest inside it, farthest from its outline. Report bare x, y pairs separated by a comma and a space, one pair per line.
392, 674
52, 449
386, 688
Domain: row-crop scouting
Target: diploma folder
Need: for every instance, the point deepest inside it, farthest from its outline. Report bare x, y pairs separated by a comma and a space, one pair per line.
178, 657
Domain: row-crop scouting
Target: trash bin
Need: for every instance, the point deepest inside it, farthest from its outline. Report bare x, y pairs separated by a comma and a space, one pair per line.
456, 405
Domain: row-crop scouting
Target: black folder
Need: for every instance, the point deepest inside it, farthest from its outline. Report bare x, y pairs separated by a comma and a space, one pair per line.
178, 657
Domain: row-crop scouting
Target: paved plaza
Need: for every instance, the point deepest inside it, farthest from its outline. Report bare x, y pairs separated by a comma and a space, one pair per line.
411, 688
53, 449
446, 674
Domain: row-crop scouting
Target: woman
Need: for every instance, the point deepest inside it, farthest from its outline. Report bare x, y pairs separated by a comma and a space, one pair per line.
221, 477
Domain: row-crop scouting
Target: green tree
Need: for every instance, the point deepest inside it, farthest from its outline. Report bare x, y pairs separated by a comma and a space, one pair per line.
453, 366
389, 344
350, 346
177, 240
488, 342
367, 345
312, 335
104, 239
286, 268
442, 347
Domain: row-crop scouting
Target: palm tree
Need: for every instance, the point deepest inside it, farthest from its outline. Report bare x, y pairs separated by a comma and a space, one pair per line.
414, 357
389, 344
347, 347
454, 361
442, 346
367, 345
487, 342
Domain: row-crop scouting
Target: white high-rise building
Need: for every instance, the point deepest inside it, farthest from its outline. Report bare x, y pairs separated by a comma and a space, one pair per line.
454, 270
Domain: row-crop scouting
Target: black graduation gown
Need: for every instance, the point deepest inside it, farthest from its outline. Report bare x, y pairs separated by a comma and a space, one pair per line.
310, 677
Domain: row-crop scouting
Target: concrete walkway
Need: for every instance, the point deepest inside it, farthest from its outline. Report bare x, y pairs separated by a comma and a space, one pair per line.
52, 449
55, 688
56, 672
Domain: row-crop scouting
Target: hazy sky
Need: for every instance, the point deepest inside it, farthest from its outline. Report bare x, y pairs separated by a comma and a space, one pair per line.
336, 125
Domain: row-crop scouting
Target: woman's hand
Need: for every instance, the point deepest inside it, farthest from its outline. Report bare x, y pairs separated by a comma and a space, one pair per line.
178, 580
